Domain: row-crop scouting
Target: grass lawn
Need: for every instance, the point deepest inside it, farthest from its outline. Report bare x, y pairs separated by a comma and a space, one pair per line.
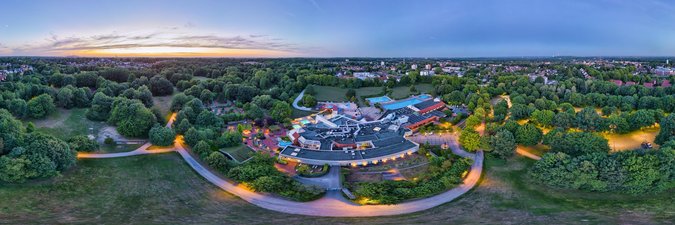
240, 153
538, 149
163, 103
404, 92
337, 94
162, 189
328, 93
632, 140
67, 123
299, 113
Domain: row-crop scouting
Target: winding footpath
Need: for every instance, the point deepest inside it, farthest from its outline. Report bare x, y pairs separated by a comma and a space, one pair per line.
332, 204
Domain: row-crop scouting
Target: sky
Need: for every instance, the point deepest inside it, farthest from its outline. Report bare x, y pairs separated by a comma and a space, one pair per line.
332, 28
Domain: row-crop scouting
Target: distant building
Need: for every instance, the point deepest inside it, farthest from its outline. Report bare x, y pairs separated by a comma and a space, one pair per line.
382, 63
363, 75
649, 85
427, 66
427, 73
664, 72
414, 66
452, 69
617, 82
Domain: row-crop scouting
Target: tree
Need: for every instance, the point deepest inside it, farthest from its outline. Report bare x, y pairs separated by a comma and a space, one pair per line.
229, 139
18, 108
178, 101
667, 131
641, 118
473, 121
202, 148
503, 144
563, 120
469, 139
131, 117
577, 143
617, 124
589, 120
192, 136
115, 74
543, 118
57, 151
520, 111
350, 93
281, 111
162, 136
82, 143
528, 135
65, 98
209, 119
219, 162
183, 126
255, 112
160, 86
501, 109
310, 90
101, 106
11, 132
41, 106
308, 100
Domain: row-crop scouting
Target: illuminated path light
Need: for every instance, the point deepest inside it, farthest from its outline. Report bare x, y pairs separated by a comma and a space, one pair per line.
332, 204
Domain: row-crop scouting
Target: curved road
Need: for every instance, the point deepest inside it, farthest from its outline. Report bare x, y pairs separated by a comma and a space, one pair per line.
297, 99
331, 205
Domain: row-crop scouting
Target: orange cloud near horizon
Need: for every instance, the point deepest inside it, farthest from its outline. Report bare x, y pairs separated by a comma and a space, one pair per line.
178, 52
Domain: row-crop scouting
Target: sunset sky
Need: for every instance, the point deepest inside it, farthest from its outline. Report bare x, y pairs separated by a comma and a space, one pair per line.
322, 28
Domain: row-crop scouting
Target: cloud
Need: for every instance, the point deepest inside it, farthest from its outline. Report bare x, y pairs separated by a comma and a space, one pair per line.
316, 5
55, 44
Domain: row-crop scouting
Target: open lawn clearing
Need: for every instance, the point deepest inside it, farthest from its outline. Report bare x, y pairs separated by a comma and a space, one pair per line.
538, 149
74, 122
404, 91
163, 103
299, 113
337, 94
632, 140
162, 189
496, 100
328, 93
240, 153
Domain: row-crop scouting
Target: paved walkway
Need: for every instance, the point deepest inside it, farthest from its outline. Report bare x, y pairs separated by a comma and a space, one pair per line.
143, 150
297, 99
329, 181
332, 204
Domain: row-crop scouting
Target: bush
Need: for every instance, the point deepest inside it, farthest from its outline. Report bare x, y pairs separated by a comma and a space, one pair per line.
443, 174
109, 141
628, 171
219, 162
82, 143
162, 136
41, 106
260, 173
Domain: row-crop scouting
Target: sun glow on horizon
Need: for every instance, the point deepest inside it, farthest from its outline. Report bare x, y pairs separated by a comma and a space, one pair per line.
162, 51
